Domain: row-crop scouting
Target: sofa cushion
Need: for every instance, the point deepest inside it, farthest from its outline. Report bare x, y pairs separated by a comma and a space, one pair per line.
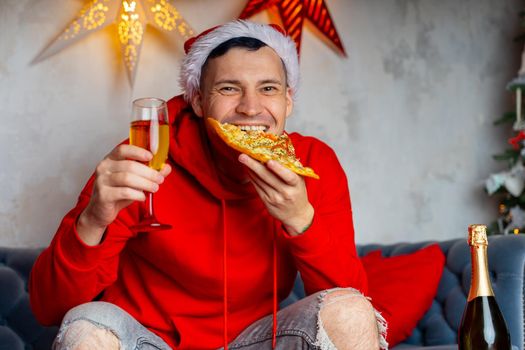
9, 340
403, 287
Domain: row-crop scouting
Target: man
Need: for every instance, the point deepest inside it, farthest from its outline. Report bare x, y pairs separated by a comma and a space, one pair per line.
241, 229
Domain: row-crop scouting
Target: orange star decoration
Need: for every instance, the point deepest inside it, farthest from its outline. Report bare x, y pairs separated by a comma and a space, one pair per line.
130, 17
293, 13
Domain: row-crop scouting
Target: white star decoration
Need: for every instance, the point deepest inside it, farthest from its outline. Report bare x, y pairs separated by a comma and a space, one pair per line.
131, 18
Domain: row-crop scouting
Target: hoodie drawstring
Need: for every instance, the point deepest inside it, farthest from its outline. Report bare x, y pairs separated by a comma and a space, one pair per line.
225, 273
274, 328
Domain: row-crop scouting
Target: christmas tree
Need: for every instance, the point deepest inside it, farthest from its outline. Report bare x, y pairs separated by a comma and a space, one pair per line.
509, 185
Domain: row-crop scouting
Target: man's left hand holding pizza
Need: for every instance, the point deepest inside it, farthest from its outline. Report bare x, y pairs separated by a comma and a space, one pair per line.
283, 193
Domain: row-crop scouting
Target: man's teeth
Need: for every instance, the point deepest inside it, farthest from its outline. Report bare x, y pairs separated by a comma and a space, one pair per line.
252, 127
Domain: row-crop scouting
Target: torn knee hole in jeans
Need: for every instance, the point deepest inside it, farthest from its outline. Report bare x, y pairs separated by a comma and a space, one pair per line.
73, 333
323, 341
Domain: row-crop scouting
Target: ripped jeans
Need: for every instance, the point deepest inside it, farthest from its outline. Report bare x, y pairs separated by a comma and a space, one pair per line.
299, 327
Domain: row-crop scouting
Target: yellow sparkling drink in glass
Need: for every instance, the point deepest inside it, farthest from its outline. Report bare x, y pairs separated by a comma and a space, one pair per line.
150, 130
153, 136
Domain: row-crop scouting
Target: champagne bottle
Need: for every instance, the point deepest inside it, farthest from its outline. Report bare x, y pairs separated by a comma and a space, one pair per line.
482, 325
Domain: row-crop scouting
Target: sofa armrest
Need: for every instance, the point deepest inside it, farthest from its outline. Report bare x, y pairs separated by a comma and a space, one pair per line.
18, 327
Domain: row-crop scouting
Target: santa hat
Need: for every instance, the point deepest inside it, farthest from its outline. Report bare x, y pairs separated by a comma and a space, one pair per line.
199, 48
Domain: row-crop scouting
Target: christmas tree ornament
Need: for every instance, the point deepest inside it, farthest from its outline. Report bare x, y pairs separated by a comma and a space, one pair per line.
518, 84
517, 220
517, 141
513, 180
130, 18
494, 183
514, 183
293, 13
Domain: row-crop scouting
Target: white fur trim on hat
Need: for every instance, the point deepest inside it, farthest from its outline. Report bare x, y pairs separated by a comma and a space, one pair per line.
284, 46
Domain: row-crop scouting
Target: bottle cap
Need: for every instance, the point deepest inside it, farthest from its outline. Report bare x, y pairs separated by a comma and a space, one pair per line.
477, 235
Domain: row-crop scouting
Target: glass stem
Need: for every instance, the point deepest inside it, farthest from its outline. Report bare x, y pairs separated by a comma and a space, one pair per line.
150, 205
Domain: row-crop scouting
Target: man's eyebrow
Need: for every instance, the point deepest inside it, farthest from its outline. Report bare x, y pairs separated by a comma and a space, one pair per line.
271, 81
228, 81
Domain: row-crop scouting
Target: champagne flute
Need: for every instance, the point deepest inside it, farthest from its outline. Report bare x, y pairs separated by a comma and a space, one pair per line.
150, 130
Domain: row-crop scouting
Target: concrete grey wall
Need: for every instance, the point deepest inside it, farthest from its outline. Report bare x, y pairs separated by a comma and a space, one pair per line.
409, 112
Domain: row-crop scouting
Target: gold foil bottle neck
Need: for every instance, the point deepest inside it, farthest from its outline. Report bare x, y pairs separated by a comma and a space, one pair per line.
477, 235
480, 283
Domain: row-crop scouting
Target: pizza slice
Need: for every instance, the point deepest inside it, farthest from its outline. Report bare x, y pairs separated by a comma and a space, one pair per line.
262, 146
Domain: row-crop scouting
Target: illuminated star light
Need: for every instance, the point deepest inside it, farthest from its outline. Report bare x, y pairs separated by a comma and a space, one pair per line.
131, 18
293, 14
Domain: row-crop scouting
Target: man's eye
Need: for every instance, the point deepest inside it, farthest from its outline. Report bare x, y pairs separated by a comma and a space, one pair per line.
269, 89
227, 89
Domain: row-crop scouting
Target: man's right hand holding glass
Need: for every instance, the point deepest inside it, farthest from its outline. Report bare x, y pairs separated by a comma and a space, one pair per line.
120, 178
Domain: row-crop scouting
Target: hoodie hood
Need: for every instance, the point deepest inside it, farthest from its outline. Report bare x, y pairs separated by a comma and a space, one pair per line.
190, 150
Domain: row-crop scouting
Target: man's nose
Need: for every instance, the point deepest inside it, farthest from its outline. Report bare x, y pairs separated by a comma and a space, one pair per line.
249, 104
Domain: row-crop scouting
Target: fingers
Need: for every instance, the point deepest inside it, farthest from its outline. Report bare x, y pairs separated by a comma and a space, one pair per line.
133, 167
133, 181
119, 194
124, 151
122, 176
282, 191
271, 187
134, 153
283, 174
262, 188
166, 170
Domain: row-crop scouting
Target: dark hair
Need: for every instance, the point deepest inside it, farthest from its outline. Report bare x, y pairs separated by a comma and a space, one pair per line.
244, 42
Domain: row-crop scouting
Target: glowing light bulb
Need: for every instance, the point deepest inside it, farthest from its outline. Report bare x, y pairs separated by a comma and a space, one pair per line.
129, 7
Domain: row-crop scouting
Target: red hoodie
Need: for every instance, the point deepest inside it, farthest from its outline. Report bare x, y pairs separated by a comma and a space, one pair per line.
172, 281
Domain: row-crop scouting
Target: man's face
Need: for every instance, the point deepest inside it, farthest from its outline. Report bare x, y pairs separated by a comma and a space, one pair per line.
245, 88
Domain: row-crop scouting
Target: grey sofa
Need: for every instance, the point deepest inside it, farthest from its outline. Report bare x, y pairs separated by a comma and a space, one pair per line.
436, 330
